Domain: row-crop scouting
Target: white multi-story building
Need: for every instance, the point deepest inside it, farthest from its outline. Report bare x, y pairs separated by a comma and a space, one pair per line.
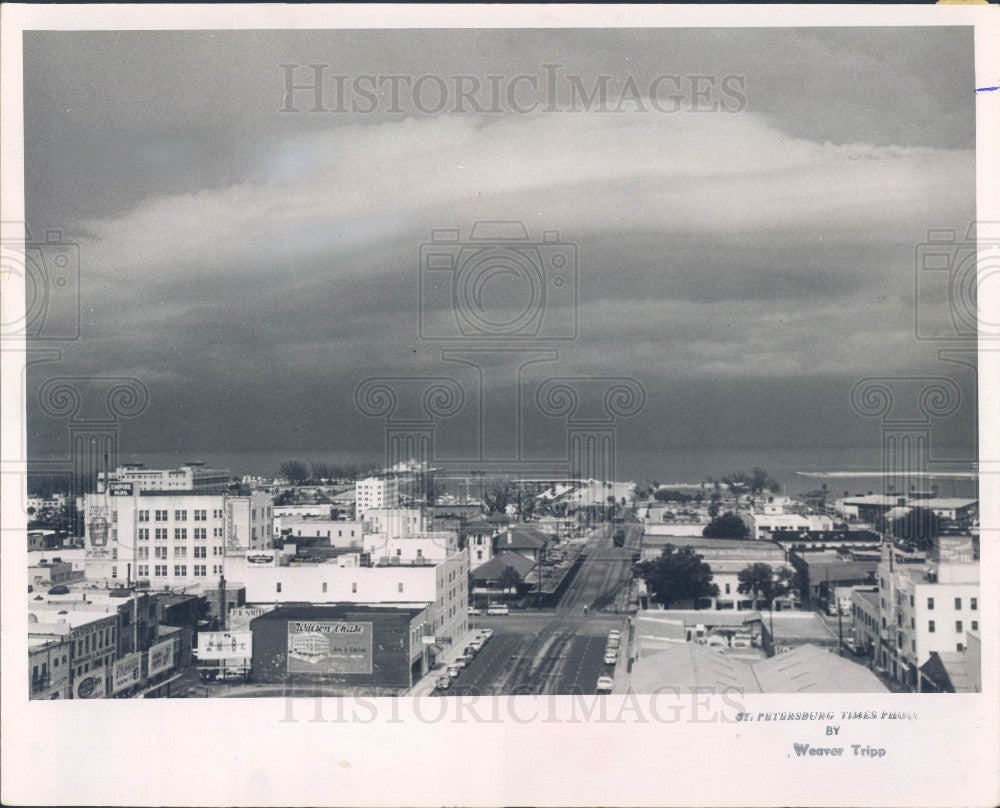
924, 608
189, 477
395, 521
171, 538
336, 533
375, 492
441, 585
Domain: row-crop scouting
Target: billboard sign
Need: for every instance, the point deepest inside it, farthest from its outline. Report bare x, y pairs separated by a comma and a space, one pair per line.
120, 489
90, 686
329, 647
126, 672
161, 657
240, 616
224, 645
260, 558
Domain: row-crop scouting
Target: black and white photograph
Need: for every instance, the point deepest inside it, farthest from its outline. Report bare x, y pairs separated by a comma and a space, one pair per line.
551, 377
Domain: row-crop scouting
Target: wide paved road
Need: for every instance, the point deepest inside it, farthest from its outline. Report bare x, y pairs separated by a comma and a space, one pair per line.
557, 651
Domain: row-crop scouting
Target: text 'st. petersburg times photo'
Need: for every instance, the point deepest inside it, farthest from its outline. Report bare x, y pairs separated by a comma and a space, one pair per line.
500, 405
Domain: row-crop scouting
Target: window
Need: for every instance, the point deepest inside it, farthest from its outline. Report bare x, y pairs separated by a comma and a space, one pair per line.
143, 516
142, 553
959, 647
199, 552
199, 570
114, 571
975, 625
400, 586
324, 587
913, 623
216, 532
160, 571
217, 569
217, 514
278, 586
143, 570
911, 601
180, 552
160, 552
958, 604
728, 589
143, 534
161, 534
180, 534
180, 570
201, 533
930, 603
201, 516
479, 555
354, 588
973, 603
161, 516
180, 516
216, 550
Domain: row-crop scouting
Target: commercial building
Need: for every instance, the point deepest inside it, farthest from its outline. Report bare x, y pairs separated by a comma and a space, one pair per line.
49, 666
395, 521
333, 532
762, 525
823, 571
375, 492
383, 649
924, 609
727, 558
866, 616
171, 538
189, 477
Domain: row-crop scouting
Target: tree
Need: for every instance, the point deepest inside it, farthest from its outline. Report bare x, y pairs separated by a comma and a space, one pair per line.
677, 575
294, 471
919, 527
757, 580
726, 526
497, 498
321, 471
761, 481
508, 579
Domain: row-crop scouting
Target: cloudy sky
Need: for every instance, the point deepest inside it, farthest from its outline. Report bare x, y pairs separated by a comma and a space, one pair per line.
251, 266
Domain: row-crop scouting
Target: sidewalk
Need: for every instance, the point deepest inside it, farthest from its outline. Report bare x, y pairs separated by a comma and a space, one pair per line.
426, 684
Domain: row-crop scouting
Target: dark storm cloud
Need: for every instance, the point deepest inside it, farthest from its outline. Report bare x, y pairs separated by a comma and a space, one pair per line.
252, 266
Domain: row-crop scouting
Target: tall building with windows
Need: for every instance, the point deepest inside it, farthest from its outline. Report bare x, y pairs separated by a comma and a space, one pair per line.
171, 538
924, 609
377, 493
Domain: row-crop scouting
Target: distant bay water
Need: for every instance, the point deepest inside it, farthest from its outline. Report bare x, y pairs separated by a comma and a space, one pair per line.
670, 464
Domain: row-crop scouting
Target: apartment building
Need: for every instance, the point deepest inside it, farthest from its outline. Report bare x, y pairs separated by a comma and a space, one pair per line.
375, 492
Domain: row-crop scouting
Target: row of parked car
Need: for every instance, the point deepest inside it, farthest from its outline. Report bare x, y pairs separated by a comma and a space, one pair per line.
463, 659
606, 682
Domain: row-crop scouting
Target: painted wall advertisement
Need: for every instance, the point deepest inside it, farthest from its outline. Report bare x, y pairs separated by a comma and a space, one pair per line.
126, 672
224, 645
90, 686
240, 616
329, 647
161, 657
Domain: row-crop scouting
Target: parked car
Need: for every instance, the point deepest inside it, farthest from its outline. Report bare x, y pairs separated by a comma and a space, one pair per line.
615, 633
486, 633
498, 610
443, 682
604, 684
473, 611
469, 652
611, 657
476, 644
453, 671
462, 660
59, 589
614, 642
